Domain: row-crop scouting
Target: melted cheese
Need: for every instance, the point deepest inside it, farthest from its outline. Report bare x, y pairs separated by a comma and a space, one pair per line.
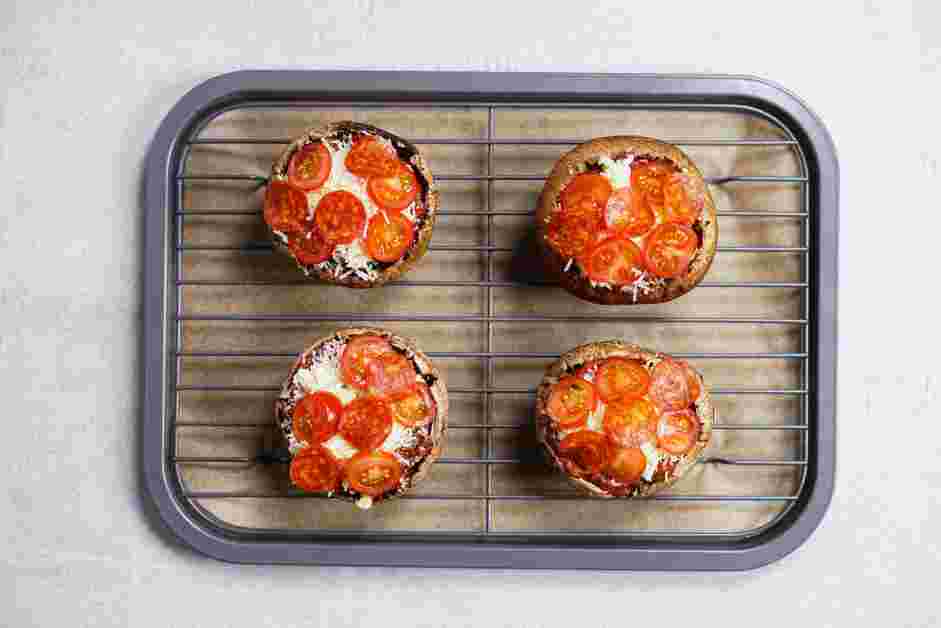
617, 172
400, 437
325, 377
340, 447
653, 461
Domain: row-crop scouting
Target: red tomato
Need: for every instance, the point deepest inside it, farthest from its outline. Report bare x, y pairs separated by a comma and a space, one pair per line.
669, 386
627, 464
631, 423
310, 166
677, 207
620, 378
340, 216
669, 249
396, 192
390, 374
413, 407
310, 248
357, 355
389, 236
285, 207
371, 158
586, 452
626, 217
366, 422
648, 177
677, 431
315, 469
587, 192
316, 416
572, 233
373, 472
615, 261
570, 402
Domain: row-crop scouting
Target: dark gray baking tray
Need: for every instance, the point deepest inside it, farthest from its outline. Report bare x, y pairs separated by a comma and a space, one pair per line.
179, 507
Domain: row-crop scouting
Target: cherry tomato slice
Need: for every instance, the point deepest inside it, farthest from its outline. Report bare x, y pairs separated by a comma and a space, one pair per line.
285, 208
314, 469
677, 431
371, 158
627, 464
615, 261
413, 407
389, 236
648, 177
357, 355
573, 233
366, 422
390, 374
316, 417
585, 452
669, 386
622, 215
394, 193
373, 473
631, 423
571, 400
310, 248
669, 249
310, 166
620, 378
677, 206
340, 217
587, 192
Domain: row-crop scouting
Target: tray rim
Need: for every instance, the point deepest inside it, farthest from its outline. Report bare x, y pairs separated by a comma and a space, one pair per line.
218, 93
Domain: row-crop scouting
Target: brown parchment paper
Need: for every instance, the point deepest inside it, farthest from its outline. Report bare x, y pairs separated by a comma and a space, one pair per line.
252, 409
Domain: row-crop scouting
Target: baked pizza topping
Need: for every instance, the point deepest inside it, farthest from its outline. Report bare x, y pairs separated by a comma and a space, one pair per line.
348, 205
669, 250
314, 469
395, 192
389, 236
643, 201
366, 422
286, 208
373, 473
614, 261
619, 422
310, 247
358, 354
309, 167
677, 431
358, 400
669, 386
571, 401
316, 417
413, 407
586, 452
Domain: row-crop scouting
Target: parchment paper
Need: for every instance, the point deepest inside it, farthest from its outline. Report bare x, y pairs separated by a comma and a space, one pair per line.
534, 477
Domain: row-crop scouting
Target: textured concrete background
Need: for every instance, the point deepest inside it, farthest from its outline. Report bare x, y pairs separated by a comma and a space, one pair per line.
84, 85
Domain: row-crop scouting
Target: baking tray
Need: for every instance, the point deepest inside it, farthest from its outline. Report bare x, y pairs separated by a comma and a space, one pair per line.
223, 318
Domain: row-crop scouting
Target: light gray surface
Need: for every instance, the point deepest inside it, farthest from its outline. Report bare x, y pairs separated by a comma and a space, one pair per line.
81, 94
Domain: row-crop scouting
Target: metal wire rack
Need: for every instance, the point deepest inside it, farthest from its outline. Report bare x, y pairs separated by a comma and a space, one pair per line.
493, 323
